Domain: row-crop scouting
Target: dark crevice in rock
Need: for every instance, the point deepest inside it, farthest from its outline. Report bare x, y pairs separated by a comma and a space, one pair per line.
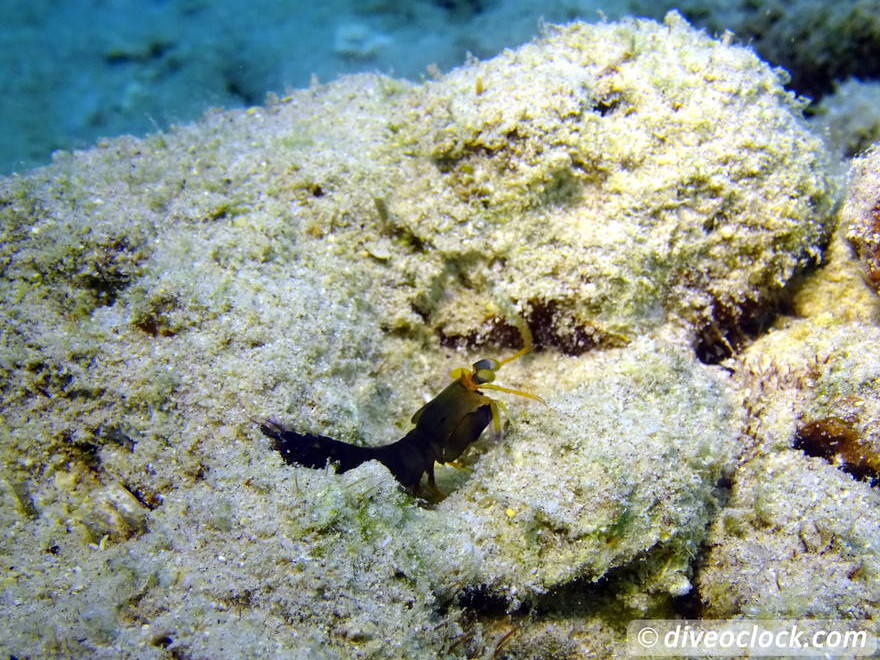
730, 327
551, 326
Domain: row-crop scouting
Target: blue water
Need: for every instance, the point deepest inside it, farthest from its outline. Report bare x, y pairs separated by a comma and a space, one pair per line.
73, 71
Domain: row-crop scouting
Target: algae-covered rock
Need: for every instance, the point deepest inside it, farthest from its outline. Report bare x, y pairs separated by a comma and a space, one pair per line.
313, 260
800, 536
861, 213
323, 561
818, 43
798, 539
815, 385
839, 289
582, 180
624, 462
603, 143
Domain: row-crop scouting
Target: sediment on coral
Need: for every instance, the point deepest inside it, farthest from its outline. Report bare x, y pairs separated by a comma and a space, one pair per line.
798, 539
861, 213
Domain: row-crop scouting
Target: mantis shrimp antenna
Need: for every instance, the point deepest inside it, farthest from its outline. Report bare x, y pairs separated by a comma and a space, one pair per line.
482, 375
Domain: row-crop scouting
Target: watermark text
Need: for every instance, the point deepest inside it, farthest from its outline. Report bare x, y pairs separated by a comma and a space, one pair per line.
781, 637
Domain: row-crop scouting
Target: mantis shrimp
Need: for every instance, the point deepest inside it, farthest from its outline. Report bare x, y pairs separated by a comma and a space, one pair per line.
444, 428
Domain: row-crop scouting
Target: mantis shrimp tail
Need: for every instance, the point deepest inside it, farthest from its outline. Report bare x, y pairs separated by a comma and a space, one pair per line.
315, 451
407, 458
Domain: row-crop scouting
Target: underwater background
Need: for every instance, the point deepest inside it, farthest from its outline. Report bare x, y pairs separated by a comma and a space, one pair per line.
73, 71
218, 219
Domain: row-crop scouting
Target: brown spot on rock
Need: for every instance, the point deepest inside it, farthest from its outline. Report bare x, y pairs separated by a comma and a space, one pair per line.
837, 441
551, 325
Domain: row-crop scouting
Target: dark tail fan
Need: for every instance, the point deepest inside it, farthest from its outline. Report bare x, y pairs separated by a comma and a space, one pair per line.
407, 459
315, 451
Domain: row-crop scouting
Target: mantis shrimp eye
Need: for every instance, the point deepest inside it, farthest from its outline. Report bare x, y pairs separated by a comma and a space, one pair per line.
487, 363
